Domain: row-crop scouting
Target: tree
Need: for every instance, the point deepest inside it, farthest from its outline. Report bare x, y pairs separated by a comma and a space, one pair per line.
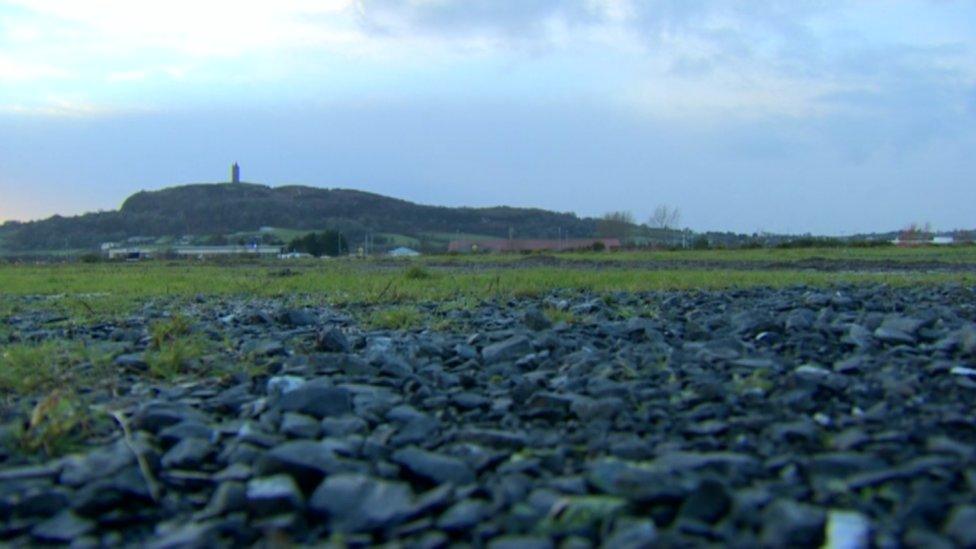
665, 217
615, 224
329, 243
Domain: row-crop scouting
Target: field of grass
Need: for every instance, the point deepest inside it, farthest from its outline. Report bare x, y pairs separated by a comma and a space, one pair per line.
104, 288
947, 254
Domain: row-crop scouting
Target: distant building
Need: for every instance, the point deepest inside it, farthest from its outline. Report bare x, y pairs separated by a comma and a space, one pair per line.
192, 251
532, 245
403, 251
235, 173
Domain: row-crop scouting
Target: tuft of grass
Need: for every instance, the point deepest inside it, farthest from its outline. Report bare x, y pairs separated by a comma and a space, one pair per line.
174, 357
26, 367
58, 423
417, 272
396, 318
556, 315
167, 331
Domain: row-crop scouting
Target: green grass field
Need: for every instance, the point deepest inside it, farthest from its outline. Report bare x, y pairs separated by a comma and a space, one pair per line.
111, 287
947, 254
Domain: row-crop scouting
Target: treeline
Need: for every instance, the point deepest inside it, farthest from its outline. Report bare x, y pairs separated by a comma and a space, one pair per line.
330, 243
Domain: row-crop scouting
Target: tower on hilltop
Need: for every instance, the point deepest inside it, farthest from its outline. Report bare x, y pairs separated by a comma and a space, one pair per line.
235, 173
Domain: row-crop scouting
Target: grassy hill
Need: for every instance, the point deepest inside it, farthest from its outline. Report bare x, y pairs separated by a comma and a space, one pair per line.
243, 208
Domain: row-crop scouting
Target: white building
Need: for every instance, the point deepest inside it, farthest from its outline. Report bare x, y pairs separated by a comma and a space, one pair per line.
403, 251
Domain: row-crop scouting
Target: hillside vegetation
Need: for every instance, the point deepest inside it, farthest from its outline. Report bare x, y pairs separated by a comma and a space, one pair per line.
207, 209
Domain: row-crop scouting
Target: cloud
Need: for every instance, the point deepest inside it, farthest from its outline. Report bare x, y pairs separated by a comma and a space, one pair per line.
58, 107
25, 71
671, 58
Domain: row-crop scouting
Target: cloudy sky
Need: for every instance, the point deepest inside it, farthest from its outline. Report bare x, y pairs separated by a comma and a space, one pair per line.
828, 116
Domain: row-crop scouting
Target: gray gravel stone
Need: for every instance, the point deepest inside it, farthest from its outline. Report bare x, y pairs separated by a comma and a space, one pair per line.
273, 495
511, 349
437, 468
357, 503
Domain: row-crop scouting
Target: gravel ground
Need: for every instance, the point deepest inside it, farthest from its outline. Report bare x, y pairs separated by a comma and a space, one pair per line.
779, 418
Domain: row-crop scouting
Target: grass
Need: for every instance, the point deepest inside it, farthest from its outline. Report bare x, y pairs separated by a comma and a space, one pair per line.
557, 315
61, 419
58, 423
175, 357
94, 287
396, 318
33, 367
949, 254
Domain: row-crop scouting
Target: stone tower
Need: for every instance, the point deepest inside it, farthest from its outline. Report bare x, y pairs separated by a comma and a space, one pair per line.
235, 173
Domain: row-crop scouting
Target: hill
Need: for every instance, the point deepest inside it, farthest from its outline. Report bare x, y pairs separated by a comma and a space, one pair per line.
225, 208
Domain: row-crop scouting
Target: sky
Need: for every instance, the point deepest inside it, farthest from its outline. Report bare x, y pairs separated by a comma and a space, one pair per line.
822, 116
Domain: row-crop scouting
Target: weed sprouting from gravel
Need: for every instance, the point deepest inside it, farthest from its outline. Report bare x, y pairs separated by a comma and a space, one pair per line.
559, 315
167, 331
417, 272
396, 318
57, 423
175, 356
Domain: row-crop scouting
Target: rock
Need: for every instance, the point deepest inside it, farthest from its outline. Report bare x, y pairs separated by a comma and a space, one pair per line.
186, 535
469, 401
186, 429
520, 542
463, 515
787, 523
77, 470
859, 336
132, 362
279, 386
708, 502
903, 324
436, 468
305, 460
638, 534
317, 401
300, 426
631, 481
227, 498
809, 373
961, 525
343, 426
154, 416
536, 320
188, 453
358, 503
123, 489
847, 530
894, 336
263, 347
297, 317
511, 349
963, 371
332, 341
41, 500
592, 409
273, 495
62, 528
